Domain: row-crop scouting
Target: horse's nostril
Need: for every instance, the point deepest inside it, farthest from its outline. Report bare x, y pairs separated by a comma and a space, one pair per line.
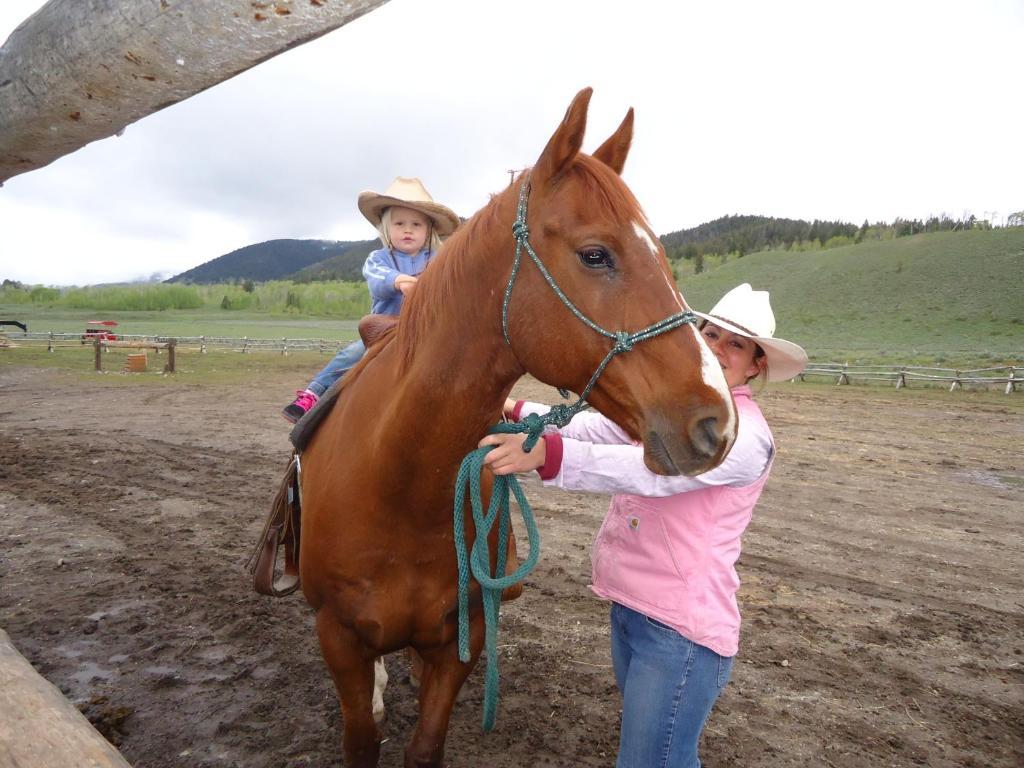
706, 436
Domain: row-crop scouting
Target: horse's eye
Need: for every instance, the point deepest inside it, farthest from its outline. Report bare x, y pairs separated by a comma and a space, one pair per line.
596, 258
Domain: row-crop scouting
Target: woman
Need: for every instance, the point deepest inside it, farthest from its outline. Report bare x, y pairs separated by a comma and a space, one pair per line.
665, 555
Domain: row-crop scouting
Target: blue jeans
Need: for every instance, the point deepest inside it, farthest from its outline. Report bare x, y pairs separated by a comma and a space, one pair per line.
335, 369
668, 686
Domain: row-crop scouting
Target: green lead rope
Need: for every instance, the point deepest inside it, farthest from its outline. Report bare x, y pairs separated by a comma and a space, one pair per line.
478, 561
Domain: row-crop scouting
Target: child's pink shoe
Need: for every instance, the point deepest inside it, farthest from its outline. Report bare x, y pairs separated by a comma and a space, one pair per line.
304, 400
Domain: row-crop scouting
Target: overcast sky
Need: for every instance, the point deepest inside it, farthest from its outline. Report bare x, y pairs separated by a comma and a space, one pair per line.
834, 110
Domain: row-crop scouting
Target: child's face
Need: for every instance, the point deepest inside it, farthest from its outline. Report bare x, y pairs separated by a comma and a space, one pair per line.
408, 230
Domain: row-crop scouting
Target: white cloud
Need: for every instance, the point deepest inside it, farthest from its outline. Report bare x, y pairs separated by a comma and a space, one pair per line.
866, 110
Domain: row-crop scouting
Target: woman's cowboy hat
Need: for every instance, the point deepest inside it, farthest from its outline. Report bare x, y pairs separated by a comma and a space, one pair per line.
408, 193
748, 313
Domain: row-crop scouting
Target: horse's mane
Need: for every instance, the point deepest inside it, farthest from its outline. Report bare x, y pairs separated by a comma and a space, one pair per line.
601, 188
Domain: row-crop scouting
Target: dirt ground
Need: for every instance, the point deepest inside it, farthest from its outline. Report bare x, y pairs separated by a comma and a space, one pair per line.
883, 587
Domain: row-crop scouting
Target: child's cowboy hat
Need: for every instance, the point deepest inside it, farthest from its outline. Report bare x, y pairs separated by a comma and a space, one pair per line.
408, 193
748, 313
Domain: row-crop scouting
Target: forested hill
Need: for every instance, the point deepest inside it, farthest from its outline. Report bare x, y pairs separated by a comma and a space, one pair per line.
346, 264
743, 234
270, 260
314, 260
747, 234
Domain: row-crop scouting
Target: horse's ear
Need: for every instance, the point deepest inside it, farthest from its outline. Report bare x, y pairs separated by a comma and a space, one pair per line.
565, 144
613, 152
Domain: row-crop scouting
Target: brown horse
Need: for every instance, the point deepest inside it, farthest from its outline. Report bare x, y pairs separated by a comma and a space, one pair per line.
378, 562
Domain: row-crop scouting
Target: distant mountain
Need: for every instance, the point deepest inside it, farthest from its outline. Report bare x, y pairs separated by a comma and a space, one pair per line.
275, 260
346, 264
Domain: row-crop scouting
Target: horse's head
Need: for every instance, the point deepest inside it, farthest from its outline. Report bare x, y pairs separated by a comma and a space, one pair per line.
592, 236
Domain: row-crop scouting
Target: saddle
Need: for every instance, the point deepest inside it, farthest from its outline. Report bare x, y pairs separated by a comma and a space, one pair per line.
283, 525
282, 530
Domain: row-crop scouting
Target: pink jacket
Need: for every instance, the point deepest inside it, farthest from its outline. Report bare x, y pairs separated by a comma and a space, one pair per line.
669, 545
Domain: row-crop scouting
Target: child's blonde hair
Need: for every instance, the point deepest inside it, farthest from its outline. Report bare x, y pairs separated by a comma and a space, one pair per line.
433, 239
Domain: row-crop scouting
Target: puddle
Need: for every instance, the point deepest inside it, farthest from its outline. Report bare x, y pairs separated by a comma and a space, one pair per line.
117, 609
89, 672
161, 671
1004, 481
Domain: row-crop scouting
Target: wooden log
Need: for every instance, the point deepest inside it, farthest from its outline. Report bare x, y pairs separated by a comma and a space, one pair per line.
39, 727
76, 71
157, 345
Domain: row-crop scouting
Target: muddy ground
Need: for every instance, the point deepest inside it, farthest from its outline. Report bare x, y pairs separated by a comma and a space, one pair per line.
883, 587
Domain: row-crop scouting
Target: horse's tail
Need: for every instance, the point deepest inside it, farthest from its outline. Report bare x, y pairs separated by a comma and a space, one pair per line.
281, 530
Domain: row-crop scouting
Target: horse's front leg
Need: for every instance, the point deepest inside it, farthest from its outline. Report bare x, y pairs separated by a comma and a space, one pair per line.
442, 677
353, 673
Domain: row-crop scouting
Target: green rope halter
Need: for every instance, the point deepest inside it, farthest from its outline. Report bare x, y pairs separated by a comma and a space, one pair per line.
477, 561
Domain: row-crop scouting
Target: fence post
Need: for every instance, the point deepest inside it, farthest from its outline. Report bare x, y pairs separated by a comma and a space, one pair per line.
98, 354
1011, 383
171, 346
843, 378
284, 346
202, 345
245, 343
901, 378
956, 381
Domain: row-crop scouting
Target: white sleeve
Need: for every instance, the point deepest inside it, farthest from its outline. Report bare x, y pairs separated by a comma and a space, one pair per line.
587, 466
590, 426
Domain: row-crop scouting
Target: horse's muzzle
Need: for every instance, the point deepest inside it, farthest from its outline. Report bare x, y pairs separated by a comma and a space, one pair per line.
700, 447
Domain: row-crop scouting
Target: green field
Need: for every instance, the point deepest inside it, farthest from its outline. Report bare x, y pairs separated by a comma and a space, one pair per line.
953, 299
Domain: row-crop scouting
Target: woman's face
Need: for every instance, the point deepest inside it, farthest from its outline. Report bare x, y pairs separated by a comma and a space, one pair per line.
408, 230
734, 352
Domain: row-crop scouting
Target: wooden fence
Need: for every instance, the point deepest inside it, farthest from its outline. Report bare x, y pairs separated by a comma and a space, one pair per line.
1009, 378
102, 345
54, 340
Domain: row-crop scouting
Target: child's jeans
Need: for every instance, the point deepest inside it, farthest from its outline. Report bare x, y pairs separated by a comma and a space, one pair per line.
335, 369
668, 686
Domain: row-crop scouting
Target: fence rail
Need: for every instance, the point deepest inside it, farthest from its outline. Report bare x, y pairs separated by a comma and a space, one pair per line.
54, 340
1009, 377
903, 375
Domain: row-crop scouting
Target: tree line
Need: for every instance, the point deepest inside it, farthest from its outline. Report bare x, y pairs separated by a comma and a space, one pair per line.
741, 235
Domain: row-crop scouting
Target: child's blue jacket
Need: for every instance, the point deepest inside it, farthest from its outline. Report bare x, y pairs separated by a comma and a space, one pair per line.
380, 270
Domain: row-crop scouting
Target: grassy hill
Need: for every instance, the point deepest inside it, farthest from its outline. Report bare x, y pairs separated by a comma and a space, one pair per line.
943, 297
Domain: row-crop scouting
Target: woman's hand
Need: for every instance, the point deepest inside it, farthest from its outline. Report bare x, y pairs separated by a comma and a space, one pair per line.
508, 455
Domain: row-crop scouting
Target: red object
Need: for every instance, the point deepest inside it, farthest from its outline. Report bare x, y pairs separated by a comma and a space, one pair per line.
97, 329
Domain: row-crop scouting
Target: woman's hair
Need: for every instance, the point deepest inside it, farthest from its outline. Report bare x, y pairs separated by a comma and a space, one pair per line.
433, 239
758, 354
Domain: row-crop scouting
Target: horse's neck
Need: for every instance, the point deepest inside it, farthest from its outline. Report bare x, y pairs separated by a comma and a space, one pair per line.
459, 375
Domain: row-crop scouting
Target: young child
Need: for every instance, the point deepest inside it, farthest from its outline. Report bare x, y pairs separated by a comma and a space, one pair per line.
665, 556
411, 226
